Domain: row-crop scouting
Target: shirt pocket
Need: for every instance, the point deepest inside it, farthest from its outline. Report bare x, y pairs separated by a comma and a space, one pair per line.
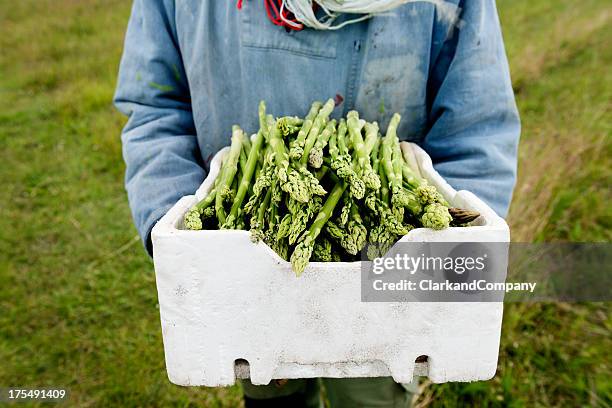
259, 32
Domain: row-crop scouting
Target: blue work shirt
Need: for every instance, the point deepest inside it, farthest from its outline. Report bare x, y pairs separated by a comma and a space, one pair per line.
193, 68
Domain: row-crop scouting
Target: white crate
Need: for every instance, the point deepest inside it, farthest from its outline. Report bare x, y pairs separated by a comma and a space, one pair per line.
223, 298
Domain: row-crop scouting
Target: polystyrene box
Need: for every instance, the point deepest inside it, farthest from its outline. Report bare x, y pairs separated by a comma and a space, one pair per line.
224, 299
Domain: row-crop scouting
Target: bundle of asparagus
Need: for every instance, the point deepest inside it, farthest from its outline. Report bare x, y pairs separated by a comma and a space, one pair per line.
322, 188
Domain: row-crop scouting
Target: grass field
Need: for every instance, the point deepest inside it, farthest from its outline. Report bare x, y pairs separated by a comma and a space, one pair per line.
78, 305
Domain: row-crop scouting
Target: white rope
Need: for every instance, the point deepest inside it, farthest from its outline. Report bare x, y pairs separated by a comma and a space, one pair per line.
303, 11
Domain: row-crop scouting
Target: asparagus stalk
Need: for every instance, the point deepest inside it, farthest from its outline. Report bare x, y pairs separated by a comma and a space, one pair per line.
362, 154
334, 152
392, 162
342, 130
374, 156
322, 251
243, 157
301, 214
229, 171
384, 181
245, 182
192, 218
264, 181
387, 147
288, 125
234, 187
357, 232
265, 164
297, 147
281, 248
371, 136
303, 250
315, 158
290, 179
311, 181
345, 212
317, 127
436, 216
341, 162
284, 227
273, 218
426, 193
335, 231
258, 222
372, 198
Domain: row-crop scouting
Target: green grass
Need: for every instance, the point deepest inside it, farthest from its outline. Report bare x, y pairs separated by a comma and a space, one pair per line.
78, 305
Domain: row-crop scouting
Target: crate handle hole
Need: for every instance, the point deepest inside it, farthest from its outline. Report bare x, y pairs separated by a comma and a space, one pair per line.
242, 368
421, 359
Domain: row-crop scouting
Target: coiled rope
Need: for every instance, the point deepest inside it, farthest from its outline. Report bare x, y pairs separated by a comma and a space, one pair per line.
295, 14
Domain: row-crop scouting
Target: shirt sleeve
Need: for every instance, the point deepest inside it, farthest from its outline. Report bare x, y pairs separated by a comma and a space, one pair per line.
475, 127
160, 148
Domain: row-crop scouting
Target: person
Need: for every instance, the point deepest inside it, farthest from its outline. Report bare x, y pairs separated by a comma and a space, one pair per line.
191, 69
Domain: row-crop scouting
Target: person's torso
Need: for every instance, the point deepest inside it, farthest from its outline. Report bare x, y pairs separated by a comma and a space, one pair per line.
235, 58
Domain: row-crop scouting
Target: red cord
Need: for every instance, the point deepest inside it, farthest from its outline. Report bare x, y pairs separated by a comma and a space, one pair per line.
276, 5
273, 10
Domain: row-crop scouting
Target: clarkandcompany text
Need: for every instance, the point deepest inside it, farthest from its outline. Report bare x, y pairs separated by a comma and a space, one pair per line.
428, 285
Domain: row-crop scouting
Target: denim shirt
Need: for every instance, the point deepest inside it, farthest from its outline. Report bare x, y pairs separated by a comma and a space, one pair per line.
193, 68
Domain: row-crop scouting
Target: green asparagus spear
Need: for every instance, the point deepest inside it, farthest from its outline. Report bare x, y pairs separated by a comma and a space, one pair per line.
357, 232
436, 216
341, 162
243, 158
392, 162
297, 146
284, 227
258, 222
427, 194
345, 212
303, 250
335, 231
288, 125
245, 182
229, 171
315, 158
342, 146
192, 218
317, 127
371, 136
371, 198
384, 181
362, 154
290, 179
322, 251
301, 214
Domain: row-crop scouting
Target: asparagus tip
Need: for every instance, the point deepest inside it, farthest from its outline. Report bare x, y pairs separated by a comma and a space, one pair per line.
301, 257
436, 216
192, 220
